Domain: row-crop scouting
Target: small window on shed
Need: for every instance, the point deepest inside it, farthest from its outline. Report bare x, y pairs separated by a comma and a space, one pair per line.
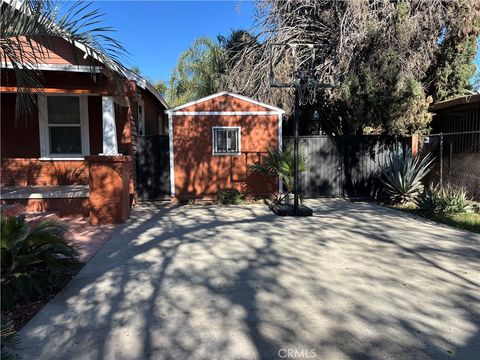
226, 140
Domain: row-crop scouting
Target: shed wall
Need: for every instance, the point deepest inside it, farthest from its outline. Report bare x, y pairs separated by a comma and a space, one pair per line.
199, 173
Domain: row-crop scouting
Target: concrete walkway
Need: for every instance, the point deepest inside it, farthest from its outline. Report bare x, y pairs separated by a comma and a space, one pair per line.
356, 281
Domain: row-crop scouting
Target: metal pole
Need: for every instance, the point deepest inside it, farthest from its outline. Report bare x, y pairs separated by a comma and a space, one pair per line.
441, 161
295, 153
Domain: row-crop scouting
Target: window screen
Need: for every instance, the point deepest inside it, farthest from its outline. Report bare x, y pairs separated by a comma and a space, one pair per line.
226, 140
64, 124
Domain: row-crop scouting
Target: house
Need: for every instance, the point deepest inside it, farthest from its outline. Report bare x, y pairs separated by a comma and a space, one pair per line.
213, 142
76, 153
459, 114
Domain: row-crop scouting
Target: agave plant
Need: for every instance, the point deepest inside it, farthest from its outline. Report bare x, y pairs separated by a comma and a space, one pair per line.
27, 28
279, 164
403, 173
430, 200
443, 200
456, 201
33, 256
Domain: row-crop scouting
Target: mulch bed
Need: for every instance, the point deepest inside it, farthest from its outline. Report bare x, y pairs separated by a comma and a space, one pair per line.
20, 314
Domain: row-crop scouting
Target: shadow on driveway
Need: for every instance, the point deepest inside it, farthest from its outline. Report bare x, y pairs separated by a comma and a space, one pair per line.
355, 281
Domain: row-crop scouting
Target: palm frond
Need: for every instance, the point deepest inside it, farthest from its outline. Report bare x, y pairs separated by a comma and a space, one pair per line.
281, 164
27, 29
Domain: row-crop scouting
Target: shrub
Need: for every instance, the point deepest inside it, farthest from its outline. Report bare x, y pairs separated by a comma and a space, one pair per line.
445, 201
229, 196
33, 257
455, 201
430, 200
403, 173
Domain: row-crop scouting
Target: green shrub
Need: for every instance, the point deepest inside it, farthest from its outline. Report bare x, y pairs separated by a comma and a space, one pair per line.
229, 196
445, 201
33, 257
402, 175
430, 200
455, 201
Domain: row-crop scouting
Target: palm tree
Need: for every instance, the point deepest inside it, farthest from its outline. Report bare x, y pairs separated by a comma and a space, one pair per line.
27, 28
279, 164
197, 71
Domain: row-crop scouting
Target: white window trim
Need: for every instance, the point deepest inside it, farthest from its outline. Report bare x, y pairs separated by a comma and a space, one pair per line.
170, 151
45, 134
239, 152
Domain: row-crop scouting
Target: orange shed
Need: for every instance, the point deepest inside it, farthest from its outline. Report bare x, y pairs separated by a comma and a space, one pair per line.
213, 142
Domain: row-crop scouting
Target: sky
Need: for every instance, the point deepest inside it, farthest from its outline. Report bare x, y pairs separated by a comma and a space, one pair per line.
156, 32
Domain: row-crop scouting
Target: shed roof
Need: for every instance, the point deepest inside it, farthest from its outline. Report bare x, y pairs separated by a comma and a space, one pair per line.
461, 100
215, 103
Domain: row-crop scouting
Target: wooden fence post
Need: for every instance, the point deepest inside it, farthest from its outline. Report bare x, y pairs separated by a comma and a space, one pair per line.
415, 140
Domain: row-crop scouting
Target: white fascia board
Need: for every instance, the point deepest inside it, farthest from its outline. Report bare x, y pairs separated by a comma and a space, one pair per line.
59, 67
144, 84
213, 96
209, 113
156, 94
171, 158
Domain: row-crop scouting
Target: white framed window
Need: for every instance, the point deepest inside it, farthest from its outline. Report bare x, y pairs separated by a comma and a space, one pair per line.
63, 127
226, 140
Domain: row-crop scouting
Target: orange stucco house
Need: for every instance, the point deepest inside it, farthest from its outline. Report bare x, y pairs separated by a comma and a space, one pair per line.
76, 152
213, 142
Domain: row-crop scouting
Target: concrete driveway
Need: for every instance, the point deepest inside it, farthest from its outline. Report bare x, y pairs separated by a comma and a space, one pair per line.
356, 281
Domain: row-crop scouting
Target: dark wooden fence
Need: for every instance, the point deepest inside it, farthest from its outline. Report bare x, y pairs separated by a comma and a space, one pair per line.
152, 168
344, 165
338, 166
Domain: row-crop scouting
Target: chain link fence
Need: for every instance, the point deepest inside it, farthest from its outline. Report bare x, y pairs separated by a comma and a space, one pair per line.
457, 160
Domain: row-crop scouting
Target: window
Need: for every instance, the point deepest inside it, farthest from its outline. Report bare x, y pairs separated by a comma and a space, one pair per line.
64, 126
226, 140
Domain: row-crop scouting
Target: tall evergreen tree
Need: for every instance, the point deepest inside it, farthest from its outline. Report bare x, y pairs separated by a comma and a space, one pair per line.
390, 57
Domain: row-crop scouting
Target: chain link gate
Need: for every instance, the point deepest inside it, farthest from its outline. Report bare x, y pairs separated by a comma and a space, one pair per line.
457, 160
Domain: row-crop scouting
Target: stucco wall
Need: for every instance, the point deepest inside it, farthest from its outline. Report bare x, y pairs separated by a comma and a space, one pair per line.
22, 172
20, 147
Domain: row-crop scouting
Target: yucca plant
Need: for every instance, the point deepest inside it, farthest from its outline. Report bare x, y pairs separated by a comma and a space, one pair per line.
279, 164
403, 173
33, 257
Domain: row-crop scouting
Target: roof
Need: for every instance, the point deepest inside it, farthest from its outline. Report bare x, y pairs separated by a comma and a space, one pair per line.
213, 96
144, 84
460, 100
130, 75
